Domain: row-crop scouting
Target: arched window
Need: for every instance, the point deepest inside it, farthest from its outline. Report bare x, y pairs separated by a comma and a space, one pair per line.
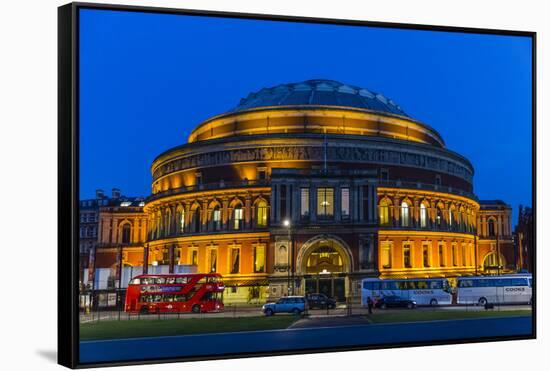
238, 217
168, 222
493, 262
261, 214
384, 212
439, 217
405, 214
216, 218
491, 230
423, 216
181, 220
126, 230
196, 220
451, 218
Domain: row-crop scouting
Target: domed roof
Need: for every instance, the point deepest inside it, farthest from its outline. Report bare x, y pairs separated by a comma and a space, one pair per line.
319, 92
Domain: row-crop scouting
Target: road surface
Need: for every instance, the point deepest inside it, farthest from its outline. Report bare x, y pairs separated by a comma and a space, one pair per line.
300, 339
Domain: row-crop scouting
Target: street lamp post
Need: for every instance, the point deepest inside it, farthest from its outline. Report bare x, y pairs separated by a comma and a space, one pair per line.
290, 280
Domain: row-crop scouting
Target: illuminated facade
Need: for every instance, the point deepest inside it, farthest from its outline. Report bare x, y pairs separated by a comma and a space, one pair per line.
313, 186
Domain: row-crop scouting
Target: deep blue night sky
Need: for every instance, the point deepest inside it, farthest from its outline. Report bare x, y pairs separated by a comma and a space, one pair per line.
147, 79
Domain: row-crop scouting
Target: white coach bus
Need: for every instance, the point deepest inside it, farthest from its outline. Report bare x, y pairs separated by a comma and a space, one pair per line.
514, 288
433, 291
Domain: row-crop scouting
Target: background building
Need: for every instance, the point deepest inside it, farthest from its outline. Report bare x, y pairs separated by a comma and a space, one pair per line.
524, 239
310, 187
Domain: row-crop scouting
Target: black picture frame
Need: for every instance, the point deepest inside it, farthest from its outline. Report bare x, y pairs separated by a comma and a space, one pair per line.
68, 173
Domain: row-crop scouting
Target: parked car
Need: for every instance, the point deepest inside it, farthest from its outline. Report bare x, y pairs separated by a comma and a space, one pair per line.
394, 302
287, 304
321, 301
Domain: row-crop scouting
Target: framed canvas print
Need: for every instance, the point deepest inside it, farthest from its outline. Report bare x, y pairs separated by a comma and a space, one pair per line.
236, 185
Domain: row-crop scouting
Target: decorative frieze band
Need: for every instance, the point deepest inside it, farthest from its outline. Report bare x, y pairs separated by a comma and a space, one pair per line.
316, 153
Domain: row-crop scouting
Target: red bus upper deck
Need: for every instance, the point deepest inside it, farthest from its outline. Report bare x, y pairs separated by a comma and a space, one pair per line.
173, 293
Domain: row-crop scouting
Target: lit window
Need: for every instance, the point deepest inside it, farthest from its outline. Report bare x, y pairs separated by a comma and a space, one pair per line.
407, 256
217, 218
345, 203
325, 202
213, 260
441, 254
386, 254
261, 214
405, 215
259, 259
423, 216
237, 218
194, 257
426, 255
453, 256
304, 202
384, 212
235, 260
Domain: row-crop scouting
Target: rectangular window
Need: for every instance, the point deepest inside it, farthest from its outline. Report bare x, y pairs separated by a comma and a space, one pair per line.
407, 256
463, 251
213, 260
386, 254
194, 257
365, 201
325, 202
261, 214
238, 219
453, 256
259, 259
384, 175
384, 213
198, 179
441, 253
235, 259
345, 203
262, 174
283, 201
217, 219
426, 255
304, 202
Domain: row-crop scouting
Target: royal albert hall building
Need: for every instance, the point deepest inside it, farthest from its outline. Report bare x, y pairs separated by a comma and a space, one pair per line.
312, 186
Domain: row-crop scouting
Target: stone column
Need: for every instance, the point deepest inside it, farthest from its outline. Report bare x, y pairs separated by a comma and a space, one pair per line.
247, 211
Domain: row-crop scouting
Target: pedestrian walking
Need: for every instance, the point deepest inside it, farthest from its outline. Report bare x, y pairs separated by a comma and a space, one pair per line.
369, 304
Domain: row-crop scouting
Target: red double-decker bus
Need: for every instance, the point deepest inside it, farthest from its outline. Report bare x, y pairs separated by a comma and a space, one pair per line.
174, 293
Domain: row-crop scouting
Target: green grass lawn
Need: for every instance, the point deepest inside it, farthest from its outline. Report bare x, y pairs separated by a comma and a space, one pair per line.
413, 315
144, 328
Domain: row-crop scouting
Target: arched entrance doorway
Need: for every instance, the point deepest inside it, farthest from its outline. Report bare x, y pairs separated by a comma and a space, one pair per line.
494, 263
324, 262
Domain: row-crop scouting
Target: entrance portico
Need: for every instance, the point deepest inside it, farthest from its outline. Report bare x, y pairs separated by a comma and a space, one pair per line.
324, 262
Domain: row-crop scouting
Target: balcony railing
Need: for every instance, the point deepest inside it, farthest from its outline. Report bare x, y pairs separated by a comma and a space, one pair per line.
429, 226
228, 228
209, 186
426, 187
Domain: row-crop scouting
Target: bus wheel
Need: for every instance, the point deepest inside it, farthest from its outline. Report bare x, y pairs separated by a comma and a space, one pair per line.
269, 312
410, 306
482, 301
433, 302
296, 311
143, 310
196, 308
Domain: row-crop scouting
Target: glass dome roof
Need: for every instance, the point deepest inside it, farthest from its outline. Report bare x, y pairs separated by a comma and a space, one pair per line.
319, 92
